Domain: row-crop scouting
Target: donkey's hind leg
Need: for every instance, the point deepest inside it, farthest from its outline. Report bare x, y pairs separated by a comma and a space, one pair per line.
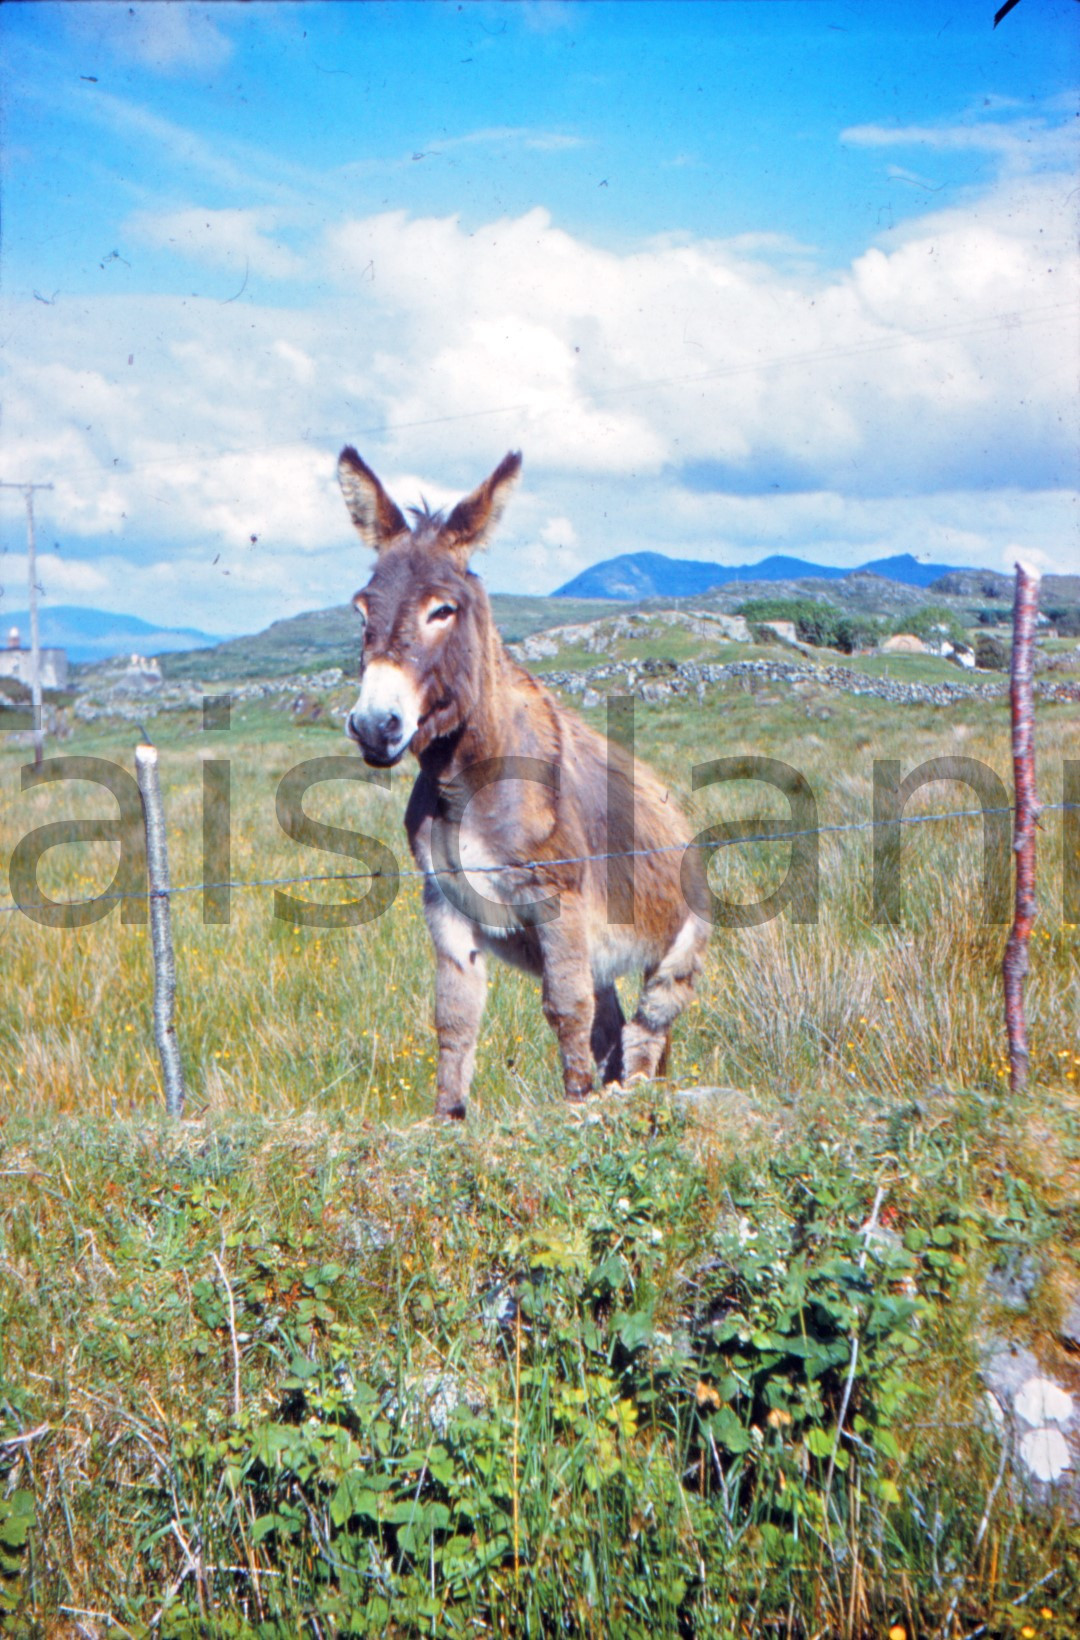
606, 1038
668, 988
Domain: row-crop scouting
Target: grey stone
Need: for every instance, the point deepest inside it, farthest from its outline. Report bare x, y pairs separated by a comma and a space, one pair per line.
1069, 1332
1006, 1368
364, 1236
1038, 1417
1014, 1283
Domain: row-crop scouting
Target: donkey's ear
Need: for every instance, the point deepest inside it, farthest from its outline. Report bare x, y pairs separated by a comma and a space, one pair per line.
474, 519
370, 508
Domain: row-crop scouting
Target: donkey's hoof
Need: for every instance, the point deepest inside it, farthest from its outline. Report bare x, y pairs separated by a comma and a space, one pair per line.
452, 1109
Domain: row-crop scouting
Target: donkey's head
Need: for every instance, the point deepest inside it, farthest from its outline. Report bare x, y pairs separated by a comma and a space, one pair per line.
426, 616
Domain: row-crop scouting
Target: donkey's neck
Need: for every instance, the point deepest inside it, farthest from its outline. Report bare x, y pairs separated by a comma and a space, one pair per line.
487, 729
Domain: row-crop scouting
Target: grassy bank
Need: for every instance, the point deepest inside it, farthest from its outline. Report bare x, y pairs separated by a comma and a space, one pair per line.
539, 1376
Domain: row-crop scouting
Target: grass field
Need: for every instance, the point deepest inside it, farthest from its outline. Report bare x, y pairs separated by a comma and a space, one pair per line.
308, 1363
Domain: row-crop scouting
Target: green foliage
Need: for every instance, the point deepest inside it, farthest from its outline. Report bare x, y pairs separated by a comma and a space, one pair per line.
817, 622
931, 623
991, 653
1066, 618
586, 1384
17, 1513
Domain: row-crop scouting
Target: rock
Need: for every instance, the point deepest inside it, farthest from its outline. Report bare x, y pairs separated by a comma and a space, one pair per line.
1006, 1368
1046, 1454
363, 1236
540, 647
1038, 1417
1069, 1332
498, 1306
1042, 1401
306, 709
435, 1396
961, 654
1014, 1284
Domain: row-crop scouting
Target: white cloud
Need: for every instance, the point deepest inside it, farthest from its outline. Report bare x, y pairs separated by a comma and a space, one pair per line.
59, 579
1022, 145
698, 397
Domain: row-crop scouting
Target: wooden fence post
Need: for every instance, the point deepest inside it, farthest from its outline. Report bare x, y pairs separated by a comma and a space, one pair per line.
1021, 698
157, 862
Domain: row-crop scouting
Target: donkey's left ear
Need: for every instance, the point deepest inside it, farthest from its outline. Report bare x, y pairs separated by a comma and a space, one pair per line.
474, 520
376, 517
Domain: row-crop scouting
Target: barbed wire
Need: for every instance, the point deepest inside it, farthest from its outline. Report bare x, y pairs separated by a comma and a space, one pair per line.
525, 865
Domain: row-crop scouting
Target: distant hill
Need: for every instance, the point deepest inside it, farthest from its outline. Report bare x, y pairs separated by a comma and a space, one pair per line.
331, 637
987, 584
94, 634
653, 574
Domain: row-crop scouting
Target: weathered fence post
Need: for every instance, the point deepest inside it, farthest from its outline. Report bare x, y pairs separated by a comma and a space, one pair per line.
157, 861
1021, 697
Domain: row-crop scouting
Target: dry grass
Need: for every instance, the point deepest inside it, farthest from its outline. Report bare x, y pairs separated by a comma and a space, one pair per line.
275, 1018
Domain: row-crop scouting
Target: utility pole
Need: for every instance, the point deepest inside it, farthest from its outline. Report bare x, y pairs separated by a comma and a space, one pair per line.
35, 642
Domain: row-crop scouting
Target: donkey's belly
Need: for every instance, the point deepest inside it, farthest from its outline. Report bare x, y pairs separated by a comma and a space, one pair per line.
520, 947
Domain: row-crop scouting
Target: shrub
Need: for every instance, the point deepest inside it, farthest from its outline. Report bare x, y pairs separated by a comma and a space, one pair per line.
931, 623
816, 622
991, 653
1067, 621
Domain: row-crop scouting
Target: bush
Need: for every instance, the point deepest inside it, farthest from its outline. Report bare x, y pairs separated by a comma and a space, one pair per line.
1067, 621
816, 622
932, 623
855, 632
991, 654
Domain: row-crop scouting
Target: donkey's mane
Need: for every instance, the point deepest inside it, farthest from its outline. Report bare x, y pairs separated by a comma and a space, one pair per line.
424, 515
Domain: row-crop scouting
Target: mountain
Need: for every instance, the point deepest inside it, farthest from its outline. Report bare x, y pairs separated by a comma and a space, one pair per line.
652, 574
95, 634
905, 569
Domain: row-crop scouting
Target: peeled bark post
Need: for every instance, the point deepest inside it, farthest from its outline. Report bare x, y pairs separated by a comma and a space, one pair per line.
1021, 698
157, 862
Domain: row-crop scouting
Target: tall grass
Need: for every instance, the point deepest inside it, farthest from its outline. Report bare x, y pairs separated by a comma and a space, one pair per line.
276, 1017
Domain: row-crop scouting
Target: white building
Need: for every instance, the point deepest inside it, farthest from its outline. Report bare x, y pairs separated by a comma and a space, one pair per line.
15, 663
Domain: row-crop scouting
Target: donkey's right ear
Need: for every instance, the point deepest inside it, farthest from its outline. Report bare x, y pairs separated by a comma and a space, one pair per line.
370, 508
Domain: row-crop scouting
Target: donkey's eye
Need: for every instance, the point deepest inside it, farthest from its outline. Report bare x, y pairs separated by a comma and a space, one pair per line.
442, 612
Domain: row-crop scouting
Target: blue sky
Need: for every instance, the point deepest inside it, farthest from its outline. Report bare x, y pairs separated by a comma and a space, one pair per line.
783, 275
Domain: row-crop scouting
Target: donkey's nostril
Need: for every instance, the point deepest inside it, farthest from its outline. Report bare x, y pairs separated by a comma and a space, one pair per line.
391, 724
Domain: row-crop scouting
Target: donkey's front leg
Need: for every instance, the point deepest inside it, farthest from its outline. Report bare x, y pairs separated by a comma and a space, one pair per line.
568, 996
460, 993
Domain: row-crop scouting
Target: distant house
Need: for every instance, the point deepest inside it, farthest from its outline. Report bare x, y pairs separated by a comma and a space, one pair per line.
15, 663
904, 643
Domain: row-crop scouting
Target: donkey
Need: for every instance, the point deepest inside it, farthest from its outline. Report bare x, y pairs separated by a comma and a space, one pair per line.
515, 807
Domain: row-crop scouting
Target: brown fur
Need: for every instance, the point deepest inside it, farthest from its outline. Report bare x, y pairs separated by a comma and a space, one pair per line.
477, 715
